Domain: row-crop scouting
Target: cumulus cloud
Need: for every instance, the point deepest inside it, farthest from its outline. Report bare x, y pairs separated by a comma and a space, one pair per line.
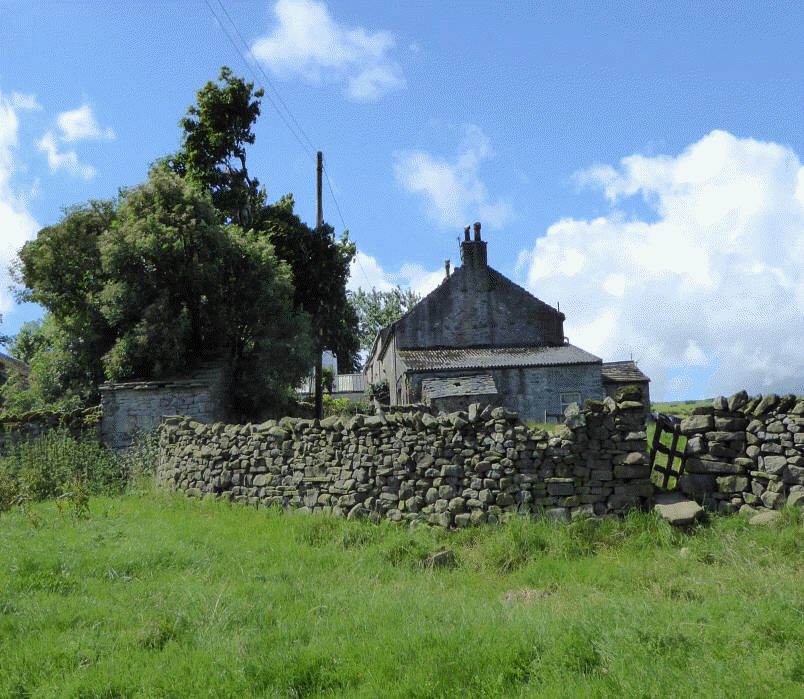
453, 190
712, 283
67, 160
75, 125
16, 222
79, 124
366, 273
307, 41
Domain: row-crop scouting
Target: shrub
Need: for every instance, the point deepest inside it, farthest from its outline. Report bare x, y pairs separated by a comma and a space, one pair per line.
55, 464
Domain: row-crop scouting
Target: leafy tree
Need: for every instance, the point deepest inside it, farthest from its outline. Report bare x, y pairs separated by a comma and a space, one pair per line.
213, 153
57, 378
169, 286
321, 270
61, 270
163, 291
378, 309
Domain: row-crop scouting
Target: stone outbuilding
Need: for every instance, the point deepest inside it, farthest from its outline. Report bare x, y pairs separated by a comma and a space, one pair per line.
479, 337
615, 375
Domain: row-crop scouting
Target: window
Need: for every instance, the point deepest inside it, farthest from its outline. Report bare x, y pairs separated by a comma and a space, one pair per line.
568, 398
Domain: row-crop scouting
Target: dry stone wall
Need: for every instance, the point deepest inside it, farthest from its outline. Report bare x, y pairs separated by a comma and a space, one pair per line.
452, 470
744, 453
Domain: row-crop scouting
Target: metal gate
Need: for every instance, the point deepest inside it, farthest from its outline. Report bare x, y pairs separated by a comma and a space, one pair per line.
666, 424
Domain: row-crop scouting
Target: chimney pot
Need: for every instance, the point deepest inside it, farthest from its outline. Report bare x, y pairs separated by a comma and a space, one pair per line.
477, 231
466, 233
446, 267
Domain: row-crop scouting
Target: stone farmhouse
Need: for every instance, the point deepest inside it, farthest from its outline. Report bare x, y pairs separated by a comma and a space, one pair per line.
479, 337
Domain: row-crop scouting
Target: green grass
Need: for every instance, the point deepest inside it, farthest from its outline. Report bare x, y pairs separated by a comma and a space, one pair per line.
159, 596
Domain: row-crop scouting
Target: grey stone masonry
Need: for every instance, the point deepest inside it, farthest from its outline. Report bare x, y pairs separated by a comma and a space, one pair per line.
453, 470
745, 452
139, 406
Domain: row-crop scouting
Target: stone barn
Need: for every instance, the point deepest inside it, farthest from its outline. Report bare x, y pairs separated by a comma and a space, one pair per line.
479, 337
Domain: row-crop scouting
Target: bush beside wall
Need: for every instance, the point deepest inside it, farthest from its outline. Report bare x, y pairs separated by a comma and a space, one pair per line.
451, 470
79, 424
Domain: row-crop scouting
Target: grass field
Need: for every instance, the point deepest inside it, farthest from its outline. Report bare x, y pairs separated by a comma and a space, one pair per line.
151, 595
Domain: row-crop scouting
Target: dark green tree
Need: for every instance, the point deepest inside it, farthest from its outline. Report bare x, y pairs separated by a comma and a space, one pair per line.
217, 130
170, 287
320, 264
61, 271
376, 310
56, 379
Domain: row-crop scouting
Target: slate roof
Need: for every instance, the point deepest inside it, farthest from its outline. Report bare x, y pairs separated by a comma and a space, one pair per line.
622, 372
494, 357
477, 385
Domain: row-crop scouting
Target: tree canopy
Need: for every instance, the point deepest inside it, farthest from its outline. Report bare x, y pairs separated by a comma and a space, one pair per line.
377, 309
217, 130
191, 265
163, 286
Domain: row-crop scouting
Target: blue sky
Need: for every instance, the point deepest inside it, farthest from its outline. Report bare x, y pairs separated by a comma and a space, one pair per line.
637, 163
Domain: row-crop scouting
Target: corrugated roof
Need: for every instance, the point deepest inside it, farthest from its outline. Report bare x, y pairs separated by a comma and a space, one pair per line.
494, 357
479, 384
622, 372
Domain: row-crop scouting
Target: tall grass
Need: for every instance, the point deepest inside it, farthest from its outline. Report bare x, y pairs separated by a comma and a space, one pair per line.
59, 466
159, 596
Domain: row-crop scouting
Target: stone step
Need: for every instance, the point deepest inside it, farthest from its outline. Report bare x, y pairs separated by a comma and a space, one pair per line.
677, 509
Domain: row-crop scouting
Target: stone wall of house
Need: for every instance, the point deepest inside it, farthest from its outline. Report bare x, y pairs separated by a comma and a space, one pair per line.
139, 406
745, 452
534, 393
478, 306
452, 470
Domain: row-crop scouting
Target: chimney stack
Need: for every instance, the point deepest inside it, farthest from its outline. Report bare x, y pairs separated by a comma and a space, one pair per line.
473, 252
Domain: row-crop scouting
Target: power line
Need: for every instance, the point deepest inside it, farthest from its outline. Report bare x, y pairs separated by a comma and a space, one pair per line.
256, 78
281, 114
267, 79
345, 227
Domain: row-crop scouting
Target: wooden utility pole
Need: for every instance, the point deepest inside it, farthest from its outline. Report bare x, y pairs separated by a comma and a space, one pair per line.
319, 365
319, 212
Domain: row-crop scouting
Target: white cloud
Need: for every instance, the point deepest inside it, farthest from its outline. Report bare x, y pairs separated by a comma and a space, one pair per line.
67, 160
308, 42
454, 192
79, 124
366, 272
20, 102
16, 222
75, 125
715, 281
